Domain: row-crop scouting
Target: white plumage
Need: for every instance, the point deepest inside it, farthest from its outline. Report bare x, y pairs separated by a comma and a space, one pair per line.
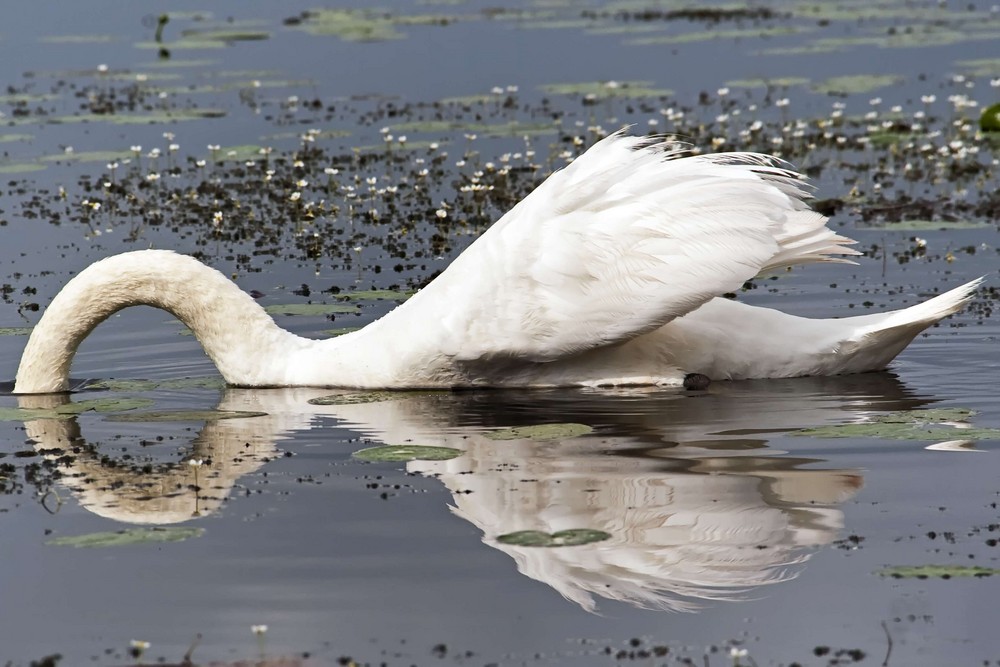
607, 274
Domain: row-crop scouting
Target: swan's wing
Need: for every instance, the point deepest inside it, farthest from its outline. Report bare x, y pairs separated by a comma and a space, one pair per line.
624, 239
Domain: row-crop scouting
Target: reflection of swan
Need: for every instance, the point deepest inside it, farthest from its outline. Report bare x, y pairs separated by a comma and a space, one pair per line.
696, 503
607, 274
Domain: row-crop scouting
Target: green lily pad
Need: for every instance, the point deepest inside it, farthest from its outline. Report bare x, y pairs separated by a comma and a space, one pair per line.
563, 538
356, 398
856, 84
333, 333
69, 410
989, 121
710, 35
928, 225
78, 39
602, 89
378, 295
86, 156
183, 416
8, 138
402, 453
540, 432
363, 25
936, 571
934, 424
770, 82
150, 118
150, 385
21, 168
126, 538
309, 309
15, 331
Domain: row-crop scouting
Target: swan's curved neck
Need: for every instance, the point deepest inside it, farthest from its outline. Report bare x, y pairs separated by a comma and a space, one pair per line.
244, 342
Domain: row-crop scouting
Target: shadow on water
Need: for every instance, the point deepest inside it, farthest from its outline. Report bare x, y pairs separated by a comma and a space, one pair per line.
688, 497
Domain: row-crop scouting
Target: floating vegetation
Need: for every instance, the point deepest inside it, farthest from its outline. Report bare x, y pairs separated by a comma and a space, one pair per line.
86, 156
933, 424
711, 35
404, 453
929, 225
606, 89
564, 538
355, 398
70, 410
540, 432
151, 385
769, 82
364, 25
149, 118
989, 121
377, 295
312, 309
15, 331
184, 416
128, 538
21, 168
855, 84
340, 331
937, 571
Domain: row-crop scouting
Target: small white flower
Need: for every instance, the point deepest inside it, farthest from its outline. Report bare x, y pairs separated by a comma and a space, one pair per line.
152, 177
722, 92
197, 463
441, 213
330, 171
102, 68
258, 629
139, 645
295, 196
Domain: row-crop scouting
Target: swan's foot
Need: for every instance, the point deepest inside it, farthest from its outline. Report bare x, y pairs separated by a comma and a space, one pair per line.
696, 381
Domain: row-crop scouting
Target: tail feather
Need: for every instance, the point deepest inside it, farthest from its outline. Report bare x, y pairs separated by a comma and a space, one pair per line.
875, 344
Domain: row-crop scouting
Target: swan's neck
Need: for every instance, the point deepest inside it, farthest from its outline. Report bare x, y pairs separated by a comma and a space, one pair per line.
244, 342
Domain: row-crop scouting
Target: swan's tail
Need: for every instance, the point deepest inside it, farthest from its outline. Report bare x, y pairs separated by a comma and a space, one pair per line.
879, 338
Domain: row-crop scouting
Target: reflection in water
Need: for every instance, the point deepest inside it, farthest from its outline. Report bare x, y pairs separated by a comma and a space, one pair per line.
696, 503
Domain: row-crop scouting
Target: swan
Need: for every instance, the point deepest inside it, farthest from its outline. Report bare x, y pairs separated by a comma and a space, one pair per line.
607, 274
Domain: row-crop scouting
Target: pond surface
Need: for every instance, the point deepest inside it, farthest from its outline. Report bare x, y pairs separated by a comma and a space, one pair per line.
332, 161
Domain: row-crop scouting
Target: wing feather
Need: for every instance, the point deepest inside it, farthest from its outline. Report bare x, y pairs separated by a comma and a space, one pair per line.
626, 238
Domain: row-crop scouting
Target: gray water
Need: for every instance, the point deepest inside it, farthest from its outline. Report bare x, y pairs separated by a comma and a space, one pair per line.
728, 527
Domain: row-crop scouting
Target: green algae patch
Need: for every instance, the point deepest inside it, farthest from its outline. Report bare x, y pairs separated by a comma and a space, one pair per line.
86, 156
933, 424
540, 432
936, 571
928, 225
70, 410
404, 453
564, 538
127, 538
21, 168
15, 331
309, 309
183, 416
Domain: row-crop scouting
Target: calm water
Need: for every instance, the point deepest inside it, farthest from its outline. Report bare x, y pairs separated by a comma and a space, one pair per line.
728, 527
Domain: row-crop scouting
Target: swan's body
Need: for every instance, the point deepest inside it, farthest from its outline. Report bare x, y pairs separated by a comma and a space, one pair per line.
607, 274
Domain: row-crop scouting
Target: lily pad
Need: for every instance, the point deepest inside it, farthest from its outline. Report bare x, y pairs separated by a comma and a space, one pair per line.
540, 432
21, 168
563, 538
70, 410
126, 538
184, 416
602, 89
934, 424
15, 331
211, 382
937, 571
333, 333
989, 121
86, 156
770, 82
928, 225
151, 118
398, 453
356, 398
309, 309
378, 295
856, 84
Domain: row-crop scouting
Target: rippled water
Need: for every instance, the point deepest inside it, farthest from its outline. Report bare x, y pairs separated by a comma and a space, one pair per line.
726, 526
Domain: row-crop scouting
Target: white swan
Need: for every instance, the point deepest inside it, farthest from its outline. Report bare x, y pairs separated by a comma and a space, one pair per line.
606, 274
